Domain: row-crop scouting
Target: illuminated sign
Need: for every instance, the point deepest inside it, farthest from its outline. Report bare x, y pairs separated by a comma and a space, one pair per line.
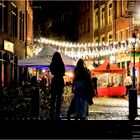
8, 46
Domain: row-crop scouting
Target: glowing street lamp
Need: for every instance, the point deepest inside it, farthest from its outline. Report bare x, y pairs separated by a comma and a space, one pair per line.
134, 46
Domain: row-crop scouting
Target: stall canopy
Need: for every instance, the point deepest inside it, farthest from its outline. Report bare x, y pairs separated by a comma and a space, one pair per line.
43, 59
107, 67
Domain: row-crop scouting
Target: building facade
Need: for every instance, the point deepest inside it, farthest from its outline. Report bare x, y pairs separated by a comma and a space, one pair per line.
13, 38
114, 24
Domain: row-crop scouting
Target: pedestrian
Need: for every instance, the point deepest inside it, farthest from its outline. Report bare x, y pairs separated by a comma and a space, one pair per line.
128, 84
94, 80
57, 69
81, 90
43, 83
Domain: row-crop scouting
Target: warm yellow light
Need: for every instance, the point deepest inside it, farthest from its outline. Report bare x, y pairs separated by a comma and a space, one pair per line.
70, 74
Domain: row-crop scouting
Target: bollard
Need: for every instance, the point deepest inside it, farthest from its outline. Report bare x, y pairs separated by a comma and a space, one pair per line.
35, 102
132, 104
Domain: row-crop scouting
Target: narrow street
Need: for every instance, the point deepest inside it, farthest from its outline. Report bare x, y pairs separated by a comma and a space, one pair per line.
107, 108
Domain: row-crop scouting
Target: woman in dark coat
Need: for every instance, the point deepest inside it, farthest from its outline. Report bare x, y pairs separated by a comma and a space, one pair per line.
81, 83
57, 69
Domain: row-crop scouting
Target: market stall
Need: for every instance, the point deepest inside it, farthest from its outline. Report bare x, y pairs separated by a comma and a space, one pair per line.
44, 58
41, 63
110, 79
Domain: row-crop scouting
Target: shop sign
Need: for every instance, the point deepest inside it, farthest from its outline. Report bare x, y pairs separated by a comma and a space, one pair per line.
130, 6
8, 46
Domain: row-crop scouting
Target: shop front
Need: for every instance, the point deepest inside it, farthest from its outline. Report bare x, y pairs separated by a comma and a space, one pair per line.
110, 79
8, 65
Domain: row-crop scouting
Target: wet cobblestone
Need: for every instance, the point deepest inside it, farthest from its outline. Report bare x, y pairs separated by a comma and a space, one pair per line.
108, 108
105, 108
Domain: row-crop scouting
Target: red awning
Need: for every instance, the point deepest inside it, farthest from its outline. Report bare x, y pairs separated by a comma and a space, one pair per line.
137, 64
106, 67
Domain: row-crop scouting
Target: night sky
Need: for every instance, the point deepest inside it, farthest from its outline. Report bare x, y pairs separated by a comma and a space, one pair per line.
52, 10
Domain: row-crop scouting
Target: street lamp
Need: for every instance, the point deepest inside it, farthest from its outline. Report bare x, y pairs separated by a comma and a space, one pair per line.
133, 92
134, 44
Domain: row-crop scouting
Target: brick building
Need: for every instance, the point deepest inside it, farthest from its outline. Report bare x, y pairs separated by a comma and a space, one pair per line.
13, 37
110, 24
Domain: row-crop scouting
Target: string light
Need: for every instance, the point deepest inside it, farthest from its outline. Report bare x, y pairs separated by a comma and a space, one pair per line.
76, 50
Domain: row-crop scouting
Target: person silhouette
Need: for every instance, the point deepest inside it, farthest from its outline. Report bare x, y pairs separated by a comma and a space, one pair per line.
94, 80
128, 83
57, 69
81, 91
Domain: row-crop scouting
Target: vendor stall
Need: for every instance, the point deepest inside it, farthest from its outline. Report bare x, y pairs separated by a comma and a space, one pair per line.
110, 79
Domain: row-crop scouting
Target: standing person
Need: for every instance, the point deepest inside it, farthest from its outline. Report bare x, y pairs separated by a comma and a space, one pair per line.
43, 83
94, 80
81, 91
57, 69
128, 83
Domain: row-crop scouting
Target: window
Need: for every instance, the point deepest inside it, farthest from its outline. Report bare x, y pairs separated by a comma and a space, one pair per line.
123, 65
110, 13
14, 20
110, 37
102, 17
103, 38
3, 15
96, 19
21, 26
118, 64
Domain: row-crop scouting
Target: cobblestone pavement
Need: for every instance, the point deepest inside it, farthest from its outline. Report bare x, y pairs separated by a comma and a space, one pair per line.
109, 108
105, 108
